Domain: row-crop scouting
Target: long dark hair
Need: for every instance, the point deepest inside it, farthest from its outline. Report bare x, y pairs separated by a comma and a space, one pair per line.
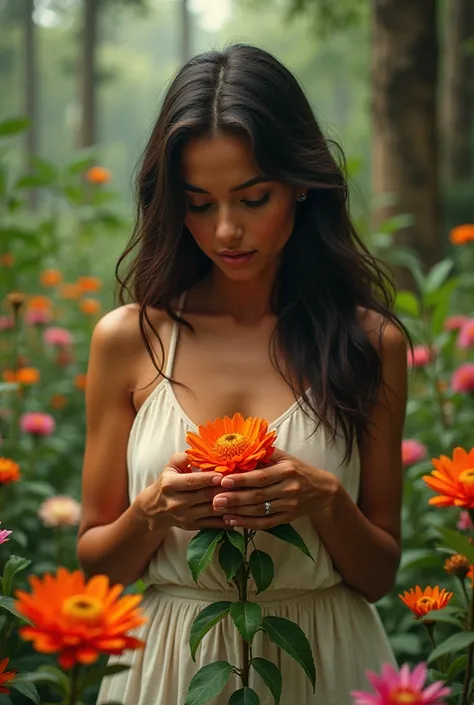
326, 271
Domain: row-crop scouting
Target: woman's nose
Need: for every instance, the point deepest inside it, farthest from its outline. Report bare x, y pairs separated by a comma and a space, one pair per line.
227, 229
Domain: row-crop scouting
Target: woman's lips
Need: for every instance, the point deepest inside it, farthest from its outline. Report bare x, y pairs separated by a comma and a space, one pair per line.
236, 260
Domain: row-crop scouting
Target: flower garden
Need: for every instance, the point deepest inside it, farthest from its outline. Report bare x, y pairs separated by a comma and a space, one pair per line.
56, 629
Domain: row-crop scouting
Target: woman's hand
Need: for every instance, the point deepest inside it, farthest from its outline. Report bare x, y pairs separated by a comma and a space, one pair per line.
293, 489
181, 498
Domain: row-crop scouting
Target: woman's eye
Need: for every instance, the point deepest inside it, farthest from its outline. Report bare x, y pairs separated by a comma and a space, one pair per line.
199, 209
259, 202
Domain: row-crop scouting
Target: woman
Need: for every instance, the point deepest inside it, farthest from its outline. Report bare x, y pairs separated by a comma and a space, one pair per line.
251, 292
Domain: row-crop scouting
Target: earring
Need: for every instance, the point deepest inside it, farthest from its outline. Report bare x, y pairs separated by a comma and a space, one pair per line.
302, 197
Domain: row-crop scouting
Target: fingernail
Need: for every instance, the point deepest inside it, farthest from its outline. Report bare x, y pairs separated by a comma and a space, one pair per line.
216, 480
231, 522
220, 501
227, 482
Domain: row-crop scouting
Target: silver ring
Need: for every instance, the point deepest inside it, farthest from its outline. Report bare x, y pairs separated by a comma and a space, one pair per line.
267, 507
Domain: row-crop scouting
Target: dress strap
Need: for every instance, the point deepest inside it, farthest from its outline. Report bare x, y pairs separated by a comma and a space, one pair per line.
174, 337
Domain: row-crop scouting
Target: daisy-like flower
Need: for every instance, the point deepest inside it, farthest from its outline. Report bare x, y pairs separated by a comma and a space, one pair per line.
402, 688
453, 480
4, 534
457, 565
59, 337
40, 303
420, 356
37, 423
462, 380
60, 510
421, 602
9, 471
90, 307
89, 284
78, 620
462, 234
231, 444
455, 322
412, 452
466, 335
38, 317
5, 675
51, 277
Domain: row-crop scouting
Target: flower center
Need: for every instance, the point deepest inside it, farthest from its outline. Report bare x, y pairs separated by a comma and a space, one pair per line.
83, 608
401, 696
426, 602
467, 476
231, 444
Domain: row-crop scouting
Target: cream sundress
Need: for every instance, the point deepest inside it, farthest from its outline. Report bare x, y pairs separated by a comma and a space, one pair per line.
344, 630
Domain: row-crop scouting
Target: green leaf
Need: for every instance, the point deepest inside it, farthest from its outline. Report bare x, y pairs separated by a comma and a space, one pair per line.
8, 603
201, 549
456, 666
26, 689
244, 696
208, 682
458, 542
437, 276
247, 617
456, 642
205, 620
13, 126
96, 674
237, 539
48, 675
262, 569
14, 565
286, 532
230, 559
270, 675
443, 615
408, 304
291, 638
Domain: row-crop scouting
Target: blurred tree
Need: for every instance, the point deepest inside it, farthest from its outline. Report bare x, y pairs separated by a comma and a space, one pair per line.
458, 100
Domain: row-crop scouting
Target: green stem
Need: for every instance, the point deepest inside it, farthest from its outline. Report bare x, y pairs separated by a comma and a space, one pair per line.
470, 652
430, 629
464, 590
74, 686
243, 598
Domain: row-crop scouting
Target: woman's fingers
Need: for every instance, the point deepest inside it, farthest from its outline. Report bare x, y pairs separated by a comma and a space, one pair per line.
259, 523
257, 510
233, 501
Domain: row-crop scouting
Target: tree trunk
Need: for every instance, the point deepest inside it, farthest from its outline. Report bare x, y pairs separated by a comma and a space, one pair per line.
31, 95
404, 108
458, 103
88, 75
185, 32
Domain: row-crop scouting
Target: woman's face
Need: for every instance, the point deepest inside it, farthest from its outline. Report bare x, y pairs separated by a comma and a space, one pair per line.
239, 219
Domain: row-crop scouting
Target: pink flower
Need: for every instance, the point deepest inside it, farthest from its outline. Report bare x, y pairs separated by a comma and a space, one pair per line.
462, 380
37, 423
465, 522
58, 336
420, 356
6, 322
466, 335
60, 510
399, 687
455, 322
4, 534
412, 452
38, 317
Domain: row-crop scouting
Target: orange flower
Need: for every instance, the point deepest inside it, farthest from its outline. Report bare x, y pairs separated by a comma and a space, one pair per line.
7, 260
98, 175
89, 283
5, 675
77, 619
461, 234
40, 303
80, 381
420, 602
70, 291
458, 565
58, 401
453, 479
28, 375
9, 471
51, 277
90, 306
9, 376
231, 445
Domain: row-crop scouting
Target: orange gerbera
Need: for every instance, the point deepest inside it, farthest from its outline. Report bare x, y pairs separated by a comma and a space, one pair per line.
89, 283
98, 175
40, 303
90, 306
5, 675
78, 619
69, 291
461, 234
420, 602
453, 479
51, 277
9, 471
231, 445
28, 375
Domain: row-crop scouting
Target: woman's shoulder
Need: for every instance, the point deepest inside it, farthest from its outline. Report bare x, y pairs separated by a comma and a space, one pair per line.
383, 332
118, 331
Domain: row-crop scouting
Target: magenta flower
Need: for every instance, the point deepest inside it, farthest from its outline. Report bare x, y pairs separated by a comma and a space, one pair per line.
6, 322
59, 337
420, 356
465, 522
462, 380
412, 452
466, 335
38, 317
455, 322
401, 687
37, 423
4, 534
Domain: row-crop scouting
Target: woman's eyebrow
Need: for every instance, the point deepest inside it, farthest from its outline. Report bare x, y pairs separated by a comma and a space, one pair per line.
240, 187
